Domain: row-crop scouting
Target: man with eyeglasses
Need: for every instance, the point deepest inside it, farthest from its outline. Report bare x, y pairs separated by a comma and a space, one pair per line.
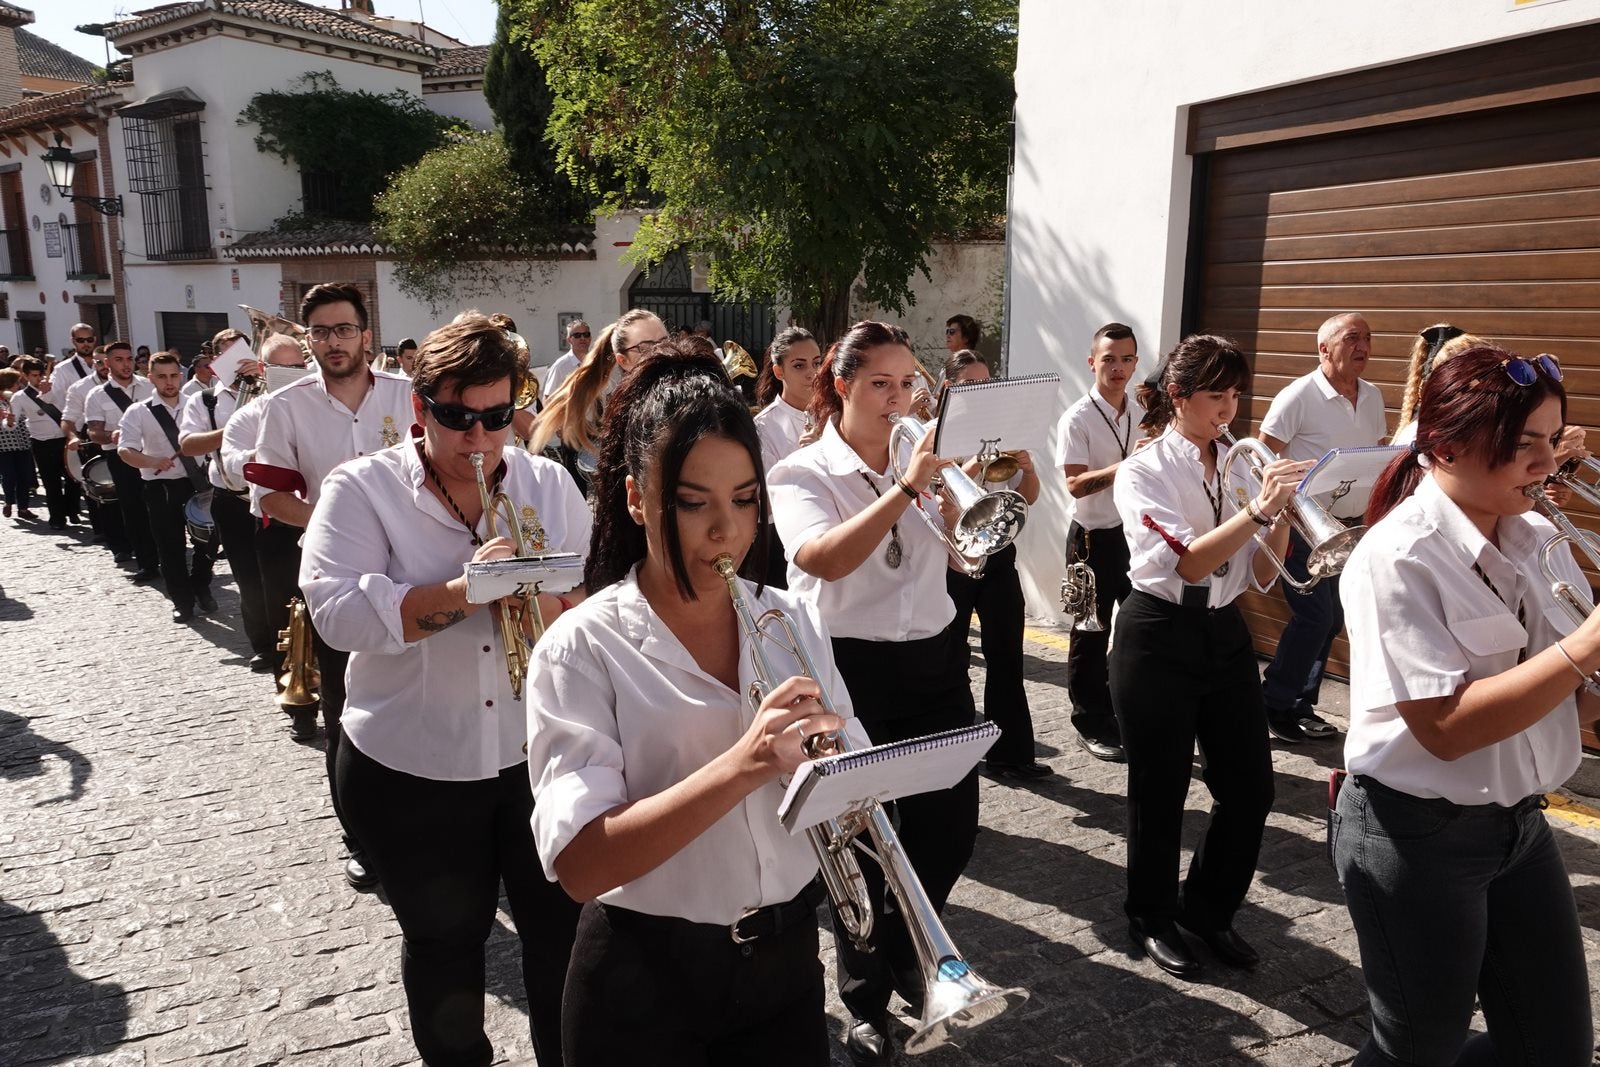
106, 521
308, 428
578, 337
961, 331
80, 364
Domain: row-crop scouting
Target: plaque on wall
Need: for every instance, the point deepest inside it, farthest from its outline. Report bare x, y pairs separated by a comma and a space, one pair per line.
52, 240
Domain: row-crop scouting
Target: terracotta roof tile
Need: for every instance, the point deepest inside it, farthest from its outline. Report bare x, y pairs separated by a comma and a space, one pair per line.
335, 237
64, 104
289, 13
456, 62
12, 15
40, 58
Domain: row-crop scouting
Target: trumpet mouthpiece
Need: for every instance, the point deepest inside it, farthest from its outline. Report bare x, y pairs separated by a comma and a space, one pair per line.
723, 565
477, 460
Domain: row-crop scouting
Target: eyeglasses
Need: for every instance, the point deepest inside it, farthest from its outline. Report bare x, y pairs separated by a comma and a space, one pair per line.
456, 417
579, 333
344, 332
950, 331
1526, 371
644, 344
83, 340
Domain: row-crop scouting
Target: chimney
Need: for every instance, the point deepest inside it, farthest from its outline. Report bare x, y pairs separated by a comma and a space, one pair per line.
10, 67
358, 8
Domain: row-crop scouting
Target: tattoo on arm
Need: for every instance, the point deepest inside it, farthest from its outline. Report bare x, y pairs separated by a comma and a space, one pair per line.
439, 620
1098, 483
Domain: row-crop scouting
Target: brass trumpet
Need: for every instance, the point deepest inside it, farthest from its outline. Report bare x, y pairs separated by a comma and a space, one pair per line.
738, 362
956, 998
299, 680
998, 467
498, 508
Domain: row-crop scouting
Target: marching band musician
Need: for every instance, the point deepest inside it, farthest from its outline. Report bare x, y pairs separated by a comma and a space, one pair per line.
657, 784
433, 775
876, 572
308, 428
1097, 434
105, 521
1465, 704
48, 443
1182, 666
102, 411
795, 358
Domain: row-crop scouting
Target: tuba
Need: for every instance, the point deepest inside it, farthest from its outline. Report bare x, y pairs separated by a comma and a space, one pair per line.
497, 509
985, 522
1330, 540
956, 998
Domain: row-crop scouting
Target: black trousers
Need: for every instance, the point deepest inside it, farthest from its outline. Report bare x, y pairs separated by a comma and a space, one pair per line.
1088, 683
657, 990
135, 517
164, 499
996, 596
49, 458
236, 528
900, 690
1181, 675
443, 850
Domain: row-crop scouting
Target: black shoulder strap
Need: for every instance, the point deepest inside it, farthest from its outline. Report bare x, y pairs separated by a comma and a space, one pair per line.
118, 397
197, 474
44, 405
208, 397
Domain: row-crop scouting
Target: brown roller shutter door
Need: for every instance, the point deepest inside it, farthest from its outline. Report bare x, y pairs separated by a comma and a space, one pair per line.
1489, 220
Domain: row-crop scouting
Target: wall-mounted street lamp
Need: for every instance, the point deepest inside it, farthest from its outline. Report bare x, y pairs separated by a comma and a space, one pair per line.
61, 166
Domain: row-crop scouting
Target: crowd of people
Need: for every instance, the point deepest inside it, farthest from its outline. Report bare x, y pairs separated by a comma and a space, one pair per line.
627, 798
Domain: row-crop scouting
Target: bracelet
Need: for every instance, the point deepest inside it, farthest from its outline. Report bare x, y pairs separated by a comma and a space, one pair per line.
1258, 515
1572, 662
906, 489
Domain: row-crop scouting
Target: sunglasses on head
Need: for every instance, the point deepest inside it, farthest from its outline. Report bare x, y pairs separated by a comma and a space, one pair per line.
1526, 371
456, 417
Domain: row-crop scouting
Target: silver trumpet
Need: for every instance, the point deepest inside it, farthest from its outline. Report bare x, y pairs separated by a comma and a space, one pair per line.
956, 998
1586, 490
1078, 599
1331, 541
985, 522
1567, 595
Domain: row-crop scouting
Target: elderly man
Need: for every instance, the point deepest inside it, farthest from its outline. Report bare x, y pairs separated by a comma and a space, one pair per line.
1332, 407
578, 337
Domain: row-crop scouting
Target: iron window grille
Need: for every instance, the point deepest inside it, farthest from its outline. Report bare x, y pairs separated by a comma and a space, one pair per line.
166, 168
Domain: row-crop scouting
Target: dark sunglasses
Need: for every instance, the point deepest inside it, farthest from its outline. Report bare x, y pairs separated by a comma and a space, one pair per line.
579, 333
456, 417
83, 340
950, 331
1526, 371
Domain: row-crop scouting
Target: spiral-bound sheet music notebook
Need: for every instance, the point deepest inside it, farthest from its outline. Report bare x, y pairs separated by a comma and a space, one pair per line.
828, 787
998, 415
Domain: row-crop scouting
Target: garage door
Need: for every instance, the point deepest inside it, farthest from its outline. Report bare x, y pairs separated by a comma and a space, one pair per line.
1488, 220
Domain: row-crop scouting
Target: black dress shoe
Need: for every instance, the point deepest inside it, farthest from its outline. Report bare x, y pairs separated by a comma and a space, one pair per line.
356, 873
140, 577
1165, 947
303, 724
1024, 771
1102, 749
868, 1044
208, 603
182, 615
1227, 946
1286, 728
261, 663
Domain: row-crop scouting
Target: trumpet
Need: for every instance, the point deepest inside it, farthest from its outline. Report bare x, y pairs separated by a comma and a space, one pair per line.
1330, 541
299, 680
998, 467
738, 362
985, 522
956, 998
1567, 475
1567, 595
498, 508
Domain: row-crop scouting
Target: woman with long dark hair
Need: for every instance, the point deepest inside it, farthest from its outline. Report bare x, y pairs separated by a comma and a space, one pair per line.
657, 782
876, 572
1465, 704
1183, 671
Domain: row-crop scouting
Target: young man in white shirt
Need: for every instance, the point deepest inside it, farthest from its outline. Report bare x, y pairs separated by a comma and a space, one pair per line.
148, 442
1097, 434
102, 412
47, 440
1332, 407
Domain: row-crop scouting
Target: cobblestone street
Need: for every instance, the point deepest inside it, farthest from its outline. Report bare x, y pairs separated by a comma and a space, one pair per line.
171, 888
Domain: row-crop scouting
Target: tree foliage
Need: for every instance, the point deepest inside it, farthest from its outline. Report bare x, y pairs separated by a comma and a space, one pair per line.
800, 143
463, 220
352, 139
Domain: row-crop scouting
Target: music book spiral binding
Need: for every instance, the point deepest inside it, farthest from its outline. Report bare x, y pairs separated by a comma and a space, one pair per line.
828, 787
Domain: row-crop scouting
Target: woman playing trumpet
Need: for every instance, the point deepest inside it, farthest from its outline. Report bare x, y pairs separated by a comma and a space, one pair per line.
1465, 703
432, 775
657, 782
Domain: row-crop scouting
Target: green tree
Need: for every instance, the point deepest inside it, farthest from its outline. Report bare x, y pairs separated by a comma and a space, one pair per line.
346, 143
799, 143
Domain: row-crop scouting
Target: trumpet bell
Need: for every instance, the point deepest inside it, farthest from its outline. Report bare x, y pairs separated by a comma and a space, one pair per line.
738, 362
959, 999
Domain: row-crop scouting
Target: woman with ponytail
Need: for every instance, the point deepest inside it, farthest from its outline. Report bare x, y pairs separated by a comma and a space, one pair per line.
1182, 667
1465, 705
657, 783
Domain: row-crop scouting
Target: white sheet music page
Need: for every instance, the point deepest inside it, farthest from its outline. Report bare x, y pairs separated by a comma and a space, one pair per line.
1342, 480
998, 415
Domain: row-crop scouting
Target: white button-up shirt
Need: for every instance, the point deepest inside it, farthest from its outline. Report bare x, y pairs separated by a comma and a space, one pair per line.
239, 447
1094, 435
142, 433
39, 424
780, 425
191, 387
1161, 498
439, 707
197, 418
557, 373
1422, 624
620, 711
305, 429
99, 407
821, 486
1312, 418
77, 397
69, 372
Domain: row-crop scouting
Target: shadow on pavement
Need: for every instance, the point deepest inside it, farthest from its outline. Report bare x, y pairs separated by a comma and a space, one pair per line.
22, 755
48, 1013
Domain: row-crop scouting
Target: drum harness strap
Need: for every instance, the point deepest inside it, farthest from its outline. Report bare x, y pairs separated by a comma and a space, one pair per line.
197, 473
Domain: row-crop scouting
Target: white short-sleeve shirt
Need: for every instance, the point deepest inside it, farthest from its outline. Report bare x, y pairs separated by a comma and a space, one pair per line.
40, 426
440, 707
619, 711
1161, 495
1094, 435
143, 433
1312, 418
1422, 623
558, 372
197, 418
780, 425
77, 397
821, 486
99, 407
306, 429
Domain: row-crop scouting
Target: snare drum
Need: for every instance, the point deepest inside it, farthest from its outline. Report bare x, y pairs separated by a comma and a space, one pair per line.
197, 514
97, 483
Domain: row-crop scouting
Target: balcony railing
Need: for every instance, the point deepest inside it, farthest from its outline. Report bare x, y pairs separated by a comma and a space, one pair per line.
85, 258
15, 265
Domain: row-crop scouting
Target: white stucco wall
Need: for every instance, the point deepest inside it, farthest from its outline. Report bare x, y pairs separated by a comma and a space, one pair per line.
153, 288
468, 105
964, 279
1099, 216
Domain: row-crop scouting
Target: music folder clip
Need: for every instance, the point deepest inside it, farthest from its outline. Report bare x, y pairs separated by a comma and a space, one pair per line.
553, 572
827, 788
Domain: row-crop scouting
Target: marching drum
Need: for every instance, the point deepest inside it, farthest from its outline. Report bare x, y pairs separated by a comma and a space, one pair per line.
96, 478
197, 514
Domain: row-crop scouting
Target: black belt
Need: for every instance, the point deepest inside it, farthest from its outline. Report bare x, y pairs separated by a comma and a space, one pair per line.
775, 918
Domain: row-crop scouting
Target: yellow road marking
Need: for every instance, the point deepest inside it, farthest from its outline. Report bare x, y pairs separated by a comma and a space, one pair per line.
1566, 808
1046, 638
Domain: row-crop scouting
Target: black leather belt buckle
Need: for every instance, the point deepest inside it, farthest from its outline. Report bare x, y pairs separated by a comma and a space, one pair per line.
757, 923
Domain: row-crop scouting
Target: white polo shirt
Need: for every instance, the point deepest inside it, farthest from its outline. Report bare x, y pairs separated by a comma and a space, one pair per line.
558, 372
1094, 435
143, 433
40, 426
1422, 624
780, 426
304, 428
1161, 495
197, 418
821, 486
99, 407
77, 396
619, 711
1312, 418
439, 707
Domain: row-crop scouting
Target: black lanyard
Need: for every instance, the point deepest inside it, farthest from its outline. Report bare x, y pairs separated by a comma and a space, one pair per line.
1123, 440
1216, 504
1522, 611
